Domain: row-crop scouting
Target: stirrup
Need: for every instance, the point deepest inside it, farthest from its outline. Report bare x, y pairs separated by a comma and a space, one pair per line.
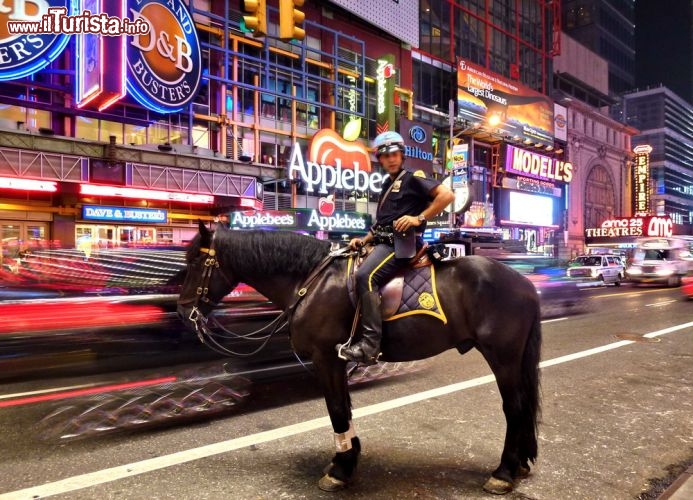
371, 361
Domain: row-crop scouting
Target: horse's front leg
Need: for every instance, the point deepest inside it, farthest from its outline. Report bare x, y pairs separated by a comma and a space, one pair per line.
331, 373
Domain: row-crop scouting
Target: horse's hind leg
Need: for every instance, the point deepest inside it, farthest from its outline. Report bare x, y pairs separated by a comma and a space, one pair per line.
331, 373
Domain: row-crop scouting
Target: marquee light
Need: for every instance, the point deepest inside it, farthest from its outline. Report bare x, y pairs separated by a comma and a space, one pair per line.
28, 184
144, 194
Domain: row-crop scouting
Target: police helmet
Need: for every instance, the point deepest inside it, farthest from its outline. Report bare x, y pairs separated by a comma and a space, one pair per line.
388, 142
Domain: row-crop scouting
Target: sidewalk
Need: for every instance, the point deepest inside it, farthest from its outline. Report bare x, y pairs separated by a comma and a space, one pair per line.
681, 489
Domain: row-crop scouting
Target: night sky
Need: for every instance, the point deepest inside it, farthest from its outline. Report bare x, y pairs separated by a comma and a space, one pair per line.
664, 45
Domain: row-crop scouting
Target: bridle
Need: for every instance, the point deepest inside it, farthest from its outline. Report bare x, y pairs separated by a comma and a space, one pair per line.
196, 317
199, 320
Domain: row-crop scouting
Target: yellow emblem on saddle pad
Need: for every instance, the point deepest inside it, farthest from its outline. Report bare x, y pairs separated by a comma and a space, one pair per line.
427, 301
420, 173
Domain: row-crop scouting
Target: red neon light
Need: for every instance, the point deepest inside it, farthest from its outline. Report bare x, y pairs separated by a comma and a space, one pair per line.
144, 194
85, 392
28, 184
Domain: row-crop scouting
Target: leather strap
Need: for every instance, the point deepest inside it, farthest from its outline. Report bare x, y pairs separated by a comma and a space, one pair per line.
387, 193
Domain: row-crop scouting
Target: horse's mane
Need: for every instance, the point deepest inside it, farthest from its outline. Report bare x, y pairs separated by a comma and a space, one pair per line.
269, 252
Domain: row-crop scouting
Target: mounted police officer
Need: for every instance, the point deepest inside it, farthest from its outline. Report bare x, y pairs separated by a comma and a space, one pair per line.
407, 200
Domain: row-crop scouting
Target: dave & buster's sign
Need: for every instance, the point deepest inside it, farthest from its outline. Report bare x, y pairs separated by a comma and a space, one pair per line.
164, 65
633, 227
25, 54
301, 220
123, 214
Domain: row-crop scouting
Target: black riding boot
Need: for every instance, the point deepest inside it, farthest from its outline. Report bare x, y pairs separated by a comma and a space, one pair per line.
366, 350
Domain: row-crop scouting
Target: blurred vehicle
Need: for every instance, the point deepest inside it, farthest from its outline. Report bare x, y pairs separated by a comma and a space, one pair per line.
659, 260
558, 295
594, 270
687, 286
63, 312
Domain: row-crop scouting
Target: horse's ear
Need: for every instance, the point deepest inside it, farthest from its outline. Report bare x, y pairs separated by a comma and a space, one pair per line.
203, 229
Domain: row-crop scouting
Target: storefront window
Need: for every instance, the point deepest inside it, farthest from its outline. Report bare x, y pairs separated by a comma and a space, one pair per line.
135, 134
17, 118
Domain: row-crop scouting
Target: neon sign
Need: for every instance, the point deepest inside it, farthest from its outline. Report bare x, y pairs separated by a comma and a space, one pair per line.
641, 179
123, 214
523, 162
334, 163
28, 184
300, 219
93, 85
164, 65
144, 194
661, 226
385, 91
24, 54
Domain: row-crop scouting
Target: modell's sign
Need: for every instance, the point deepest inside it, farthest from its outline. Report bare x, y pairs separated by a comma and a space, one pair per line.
165, 64
523, 162
334, 163
632, 227
301, 219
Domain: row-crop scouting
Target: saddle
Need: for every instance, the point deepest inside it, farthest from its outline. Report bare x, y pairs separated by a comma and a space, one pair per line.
411, 291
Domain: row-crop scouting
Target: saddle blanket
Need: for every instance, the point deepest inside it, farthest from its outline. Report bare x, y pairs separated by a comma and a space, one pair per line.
414, 291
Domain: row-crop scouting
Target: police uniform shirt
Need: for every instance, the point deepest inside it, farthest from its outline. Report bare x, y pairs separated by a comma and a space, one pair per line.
410, 195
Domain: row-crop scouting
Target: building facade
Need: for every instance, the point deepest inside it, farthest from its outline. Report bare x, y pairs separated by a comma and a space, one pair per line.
224, 121
606, 27
665, 122
598, 146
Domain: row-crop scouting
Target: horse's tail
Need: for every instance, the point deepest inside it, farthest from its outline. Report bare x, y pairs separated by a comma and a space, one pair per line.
530, 392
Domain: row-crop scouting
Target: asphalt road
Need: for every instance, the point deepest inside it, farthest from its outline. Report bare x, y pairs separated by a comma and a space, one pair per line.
617, 415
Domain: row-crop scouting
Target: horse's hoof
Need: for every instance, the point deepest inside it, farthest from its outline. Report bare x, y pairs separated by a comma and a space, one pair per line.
498, 486
329, 483
522, 472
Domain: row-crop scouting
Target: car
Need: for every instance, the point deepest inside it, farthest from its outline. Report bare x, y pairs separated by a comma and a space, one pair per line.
557, 294
659, 261
593, 270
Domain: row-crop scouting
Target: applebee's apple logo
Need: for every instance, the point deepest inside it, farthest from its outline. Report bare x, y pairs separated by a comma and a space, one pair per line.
326, 205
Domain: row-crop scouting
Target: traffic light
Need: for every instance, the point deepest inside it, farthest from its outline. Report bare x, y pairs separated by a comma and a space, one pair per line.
256, 20
290, 20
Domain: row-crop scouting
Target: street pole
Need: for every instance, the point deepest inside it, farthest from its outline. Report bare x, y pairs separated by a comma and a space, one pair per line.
451, 118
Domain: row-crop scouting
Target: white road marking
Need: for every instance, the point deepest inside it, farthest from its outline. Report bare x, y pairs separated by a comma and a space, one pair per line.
44, 391
662, 303
129, 470
555, 319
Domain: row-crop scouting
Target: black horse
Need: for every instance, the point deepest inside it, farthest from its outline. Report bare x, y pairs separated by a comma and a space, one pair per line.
489, 306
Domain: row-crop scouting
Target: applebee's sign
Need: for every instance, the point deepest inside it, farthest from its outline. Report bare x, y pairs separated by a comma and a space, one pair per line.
334, 163
306, 219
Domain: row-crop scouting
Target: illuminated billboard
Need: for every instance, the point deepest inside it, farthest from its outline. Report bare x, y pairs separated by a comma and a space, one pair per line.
509, 108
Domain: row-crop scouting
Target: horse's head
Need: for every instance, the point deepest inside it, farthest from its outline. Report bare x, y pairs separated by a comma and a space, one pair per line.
206, 282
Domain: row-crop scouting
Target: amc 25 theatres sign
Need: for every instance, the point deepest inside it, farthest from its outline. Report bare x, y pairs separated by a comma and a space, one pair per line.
613, 229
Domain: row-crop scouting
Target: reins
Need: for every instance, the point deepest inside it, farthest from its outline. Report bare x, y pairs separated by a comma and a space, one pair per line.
200, 321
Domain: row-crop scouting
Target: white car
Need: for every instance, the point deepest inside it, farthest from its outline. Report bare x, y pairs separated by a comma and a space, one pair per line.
597, 269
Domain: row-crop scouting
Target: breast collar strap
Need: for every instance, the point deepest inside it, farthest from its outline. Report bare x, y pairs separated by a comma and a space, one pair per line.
314, 274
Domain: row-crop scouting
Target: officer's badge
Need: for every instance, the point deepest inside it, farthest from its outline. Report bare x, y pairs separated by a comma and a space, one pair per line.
396, 186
